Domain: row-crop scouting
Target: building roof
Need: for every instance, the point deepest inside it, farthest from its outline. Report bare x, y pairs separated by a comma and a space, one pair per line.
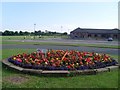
87, 30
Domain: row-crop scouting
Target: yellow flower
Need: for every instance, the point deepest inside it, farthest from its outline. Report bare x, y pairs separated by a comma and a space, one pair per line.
77, 63
100, 55
14, 58
46, 63
30, 58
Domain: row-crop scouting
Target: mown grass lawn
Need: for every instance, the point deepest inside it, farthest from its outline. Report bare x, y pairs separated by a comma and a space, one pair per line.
103, 80
32, 37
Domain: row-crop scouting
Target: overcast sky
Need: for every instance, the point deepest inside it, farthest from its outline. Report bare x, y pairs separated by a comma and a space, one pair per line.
52, 15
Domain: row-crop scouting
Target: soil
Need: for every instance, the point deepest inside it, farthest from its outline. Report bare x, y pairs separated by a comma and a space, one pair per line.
16, 79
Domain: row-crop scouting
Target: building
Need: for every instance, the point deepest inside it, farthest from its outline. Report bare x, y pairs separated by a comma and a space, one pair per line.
80, 33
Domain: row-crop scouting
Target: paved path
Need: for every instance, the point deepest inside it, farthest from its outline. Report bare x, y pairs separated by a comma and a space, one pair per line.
90, 49
71, 41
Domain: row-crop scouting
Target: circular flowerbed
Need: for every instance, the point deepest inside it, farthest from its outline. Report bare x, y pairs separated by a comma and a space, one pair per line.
62, 60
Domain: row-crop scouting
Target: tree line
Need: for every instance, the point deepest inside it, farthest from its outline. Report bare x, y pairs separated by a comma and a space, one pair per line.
20, 33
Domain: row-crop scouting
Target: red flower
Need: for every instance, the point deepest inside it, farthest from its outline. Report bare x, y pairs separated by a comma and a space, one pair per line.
88, 59
32, 56
65, 59
84, 53
90, 54
48, 54
105, 59
19, 60
80, 58
59, 57
95, 58
106, 56
57, 63
33, 62
54, 64
81, 63
69, 66
19, 55
38, 63
73, 57
24, 55
52, 60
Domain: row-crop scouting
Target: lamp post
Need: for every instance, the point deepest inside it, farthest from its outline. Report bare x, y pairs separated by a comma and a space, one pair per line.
34, 30
61, 31
68, 33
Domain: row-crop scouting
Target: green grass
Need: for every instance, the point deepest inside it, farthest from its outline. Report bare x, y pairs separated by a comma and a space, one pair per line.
103, 80
6, 53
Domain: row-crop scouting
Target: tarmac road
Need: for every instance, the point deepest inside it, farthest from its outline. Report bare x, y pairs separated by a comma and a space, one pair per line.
80, 48
71, 41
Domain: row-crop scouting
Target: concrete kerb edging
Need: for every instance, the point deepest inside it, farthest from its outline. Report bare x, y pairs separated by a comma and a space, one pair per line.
80, 72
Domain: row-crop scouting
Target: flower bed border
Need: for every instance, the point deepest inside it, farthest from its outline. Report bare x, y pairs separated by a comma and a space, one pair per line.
64, 72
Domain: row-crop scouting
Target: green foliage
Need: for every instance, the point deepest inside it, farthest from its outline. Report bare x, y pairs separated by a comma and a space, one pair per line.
47, 33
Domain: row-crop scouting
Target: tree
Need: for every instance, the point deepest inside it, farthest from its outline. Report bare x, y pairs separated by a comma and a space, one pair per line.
20, 33
6, 32
26, 33
36, 33
65, 33
16, 33
39, 32
1, 33
11, 33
